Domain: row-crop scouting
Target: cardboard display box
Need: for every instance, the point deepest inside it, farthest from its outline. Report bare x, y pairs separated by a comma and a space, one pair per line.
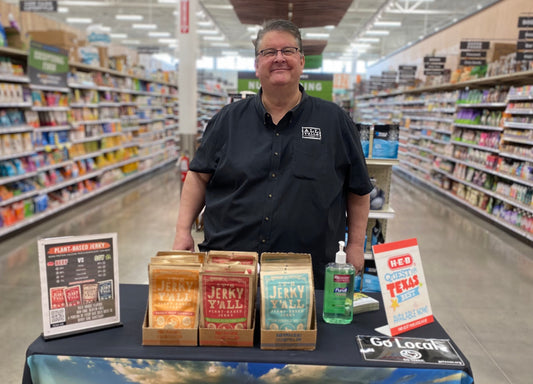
169, 337
227, 337
291, 340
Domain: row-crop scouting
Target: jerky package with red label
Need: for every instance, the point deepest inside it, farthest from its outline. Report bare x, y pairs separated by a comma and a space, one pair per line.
227, 300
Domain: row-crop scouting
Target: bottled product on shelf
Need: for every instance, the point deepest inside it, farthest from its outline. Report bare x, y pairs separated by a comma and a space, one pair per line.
474, 144
60, 146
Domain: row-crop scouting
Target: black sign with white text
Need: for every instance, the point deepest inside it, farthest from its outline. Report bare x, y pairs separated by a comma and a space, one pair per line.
409, 350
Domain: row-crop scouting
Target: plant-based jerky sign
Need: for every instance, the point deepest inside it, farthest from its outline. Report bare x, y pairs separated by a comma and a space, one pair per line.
403, 285
408, 350
79, 283
319, 85
47, 65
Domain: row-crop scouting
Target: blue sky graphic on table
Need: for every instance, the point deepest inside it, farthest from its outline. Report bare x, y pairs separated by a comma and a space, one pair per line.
49, 369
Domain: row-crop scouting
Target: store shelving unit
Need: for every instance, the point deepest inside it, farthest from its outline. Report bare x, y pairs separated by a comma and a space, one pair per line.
484, 163
74, 143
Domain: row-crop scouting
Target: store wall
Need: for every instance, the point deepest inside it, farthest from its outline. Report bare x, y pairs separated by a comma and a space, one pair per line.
497, 23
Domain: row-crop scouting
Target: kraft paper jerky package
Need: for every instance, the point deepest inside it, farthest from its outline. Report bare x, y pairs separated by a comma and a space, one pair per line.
228, 296
173, 296
287, 302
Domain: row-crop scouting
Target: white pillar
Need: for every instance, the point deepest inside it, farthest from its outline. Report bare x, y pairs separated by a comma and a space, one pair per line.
187, 87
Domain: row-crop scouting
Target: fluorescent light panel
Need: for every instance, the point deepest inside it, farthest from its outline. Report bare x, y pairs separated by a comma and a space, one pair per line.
168, 41
207, 32
144, 26
62, 9
214, 38
83, 3
388, 24
159, 34
118, 35
129, 17
368, 40
79, 20
132, 42
377, 32
317, 35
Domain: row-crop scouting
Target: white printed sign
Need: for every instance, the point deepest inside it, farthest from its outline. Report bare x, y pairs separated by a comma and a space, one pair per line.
403, 285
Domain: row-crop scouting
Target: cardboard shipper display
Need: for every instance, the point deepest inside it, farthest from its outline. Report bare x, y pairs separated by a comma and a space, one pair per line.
288, 308
228, 286
173, 336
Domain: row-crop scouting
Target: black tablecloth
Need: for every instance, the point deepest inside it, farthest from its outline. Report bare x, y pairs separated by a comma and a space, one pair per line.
336, 344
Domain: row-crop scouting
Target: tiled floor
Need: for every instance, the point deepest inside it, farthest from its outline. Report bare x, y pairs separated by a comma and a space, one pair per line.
480, 279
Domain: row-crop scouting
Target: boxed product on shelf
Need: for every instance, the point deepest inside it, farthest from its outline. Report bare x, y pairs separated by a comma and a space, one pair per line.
385, 141
288, 305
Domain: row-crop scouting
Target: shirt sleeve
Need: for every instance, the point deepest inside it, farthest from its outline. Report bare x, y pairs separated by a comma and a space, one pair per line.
207, 156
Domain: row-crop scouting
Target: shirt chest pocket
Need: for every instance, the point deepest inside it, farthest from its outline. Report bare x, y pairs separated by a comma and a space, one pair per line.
309, 159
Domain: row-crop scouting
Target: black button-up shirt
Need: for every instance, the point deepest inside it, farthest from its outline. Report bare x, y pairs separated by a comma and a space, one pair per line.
280, 188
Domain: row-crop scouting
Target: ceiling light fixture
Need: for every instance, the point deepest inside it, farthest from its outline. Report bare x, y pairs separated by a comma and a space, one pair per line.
62, 9
213, 38
377, 32
129, 17
317, 35
159, 34
369, 39
144, 26
118, 35
79, 20
168, 41
207, 32
84, 3
387, 23
131, 42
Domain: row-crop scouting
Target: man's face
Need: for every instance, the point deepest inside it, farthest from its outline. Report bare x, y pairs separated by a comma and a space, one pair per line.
279, 69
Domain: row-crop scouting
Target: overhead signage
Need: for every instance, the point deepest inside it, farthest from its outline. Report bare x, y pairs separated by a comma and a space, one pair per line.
409, 350
407, 74
474, 45
474, 53
184, 16
315, 84
525, 35
525, 22
148, 49
524, 46
79, 283
434, 65
47, 65
403, 286
38, 6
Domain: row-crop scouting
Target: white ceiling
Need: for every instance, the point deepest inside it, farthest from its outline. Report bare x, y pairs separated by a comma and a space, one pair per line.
418, 18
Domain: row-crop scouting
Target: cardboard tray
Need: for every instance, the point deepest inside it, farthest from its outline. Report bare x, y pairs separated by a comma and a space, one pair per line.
169, 337
227, 337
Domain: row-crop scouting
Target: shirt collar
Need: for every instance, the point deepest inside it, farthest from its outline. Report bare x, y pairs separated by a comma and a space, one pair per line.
263, 112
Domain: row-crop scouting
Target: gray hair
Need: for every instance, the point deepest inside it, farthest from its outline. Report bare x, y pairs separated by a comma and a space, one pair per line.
279, 25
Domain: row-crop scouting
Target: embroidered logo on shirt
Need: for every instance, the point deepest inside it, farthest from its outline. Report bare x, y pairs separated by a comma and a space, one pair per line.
311, 133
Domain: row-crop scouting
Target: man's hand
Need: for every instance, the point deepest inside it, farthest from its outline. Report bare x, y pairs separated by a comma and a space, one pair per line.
355, 255
183, 242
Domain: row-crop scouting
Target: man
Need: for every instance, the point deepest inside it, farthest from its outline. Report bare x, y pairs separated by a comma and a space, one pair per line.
281, 171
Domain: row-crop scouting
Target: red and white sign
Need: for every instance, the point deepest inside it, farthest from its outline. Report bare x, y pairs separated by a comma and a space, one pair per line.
184, 16
403, 285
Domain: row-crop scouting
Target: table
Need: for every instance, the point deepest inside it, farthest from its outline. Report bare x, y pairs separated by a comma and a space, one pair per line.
117, 355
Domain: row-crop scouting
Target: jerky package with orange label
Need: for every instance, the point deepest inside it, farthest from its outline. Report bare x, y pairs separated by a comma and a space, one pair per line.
173, 295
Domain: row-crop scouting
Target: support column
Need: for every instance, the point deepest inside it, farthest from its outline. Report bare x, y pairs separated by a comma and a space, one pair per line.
187, 83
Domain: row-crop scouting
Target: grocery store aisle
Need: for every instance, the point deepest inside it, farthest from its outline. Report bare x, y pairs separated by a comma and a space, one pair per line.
480, 279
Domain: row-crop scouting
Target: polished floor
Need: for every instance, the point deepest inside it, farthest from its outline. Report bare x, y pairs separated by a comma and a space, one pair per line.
480, 278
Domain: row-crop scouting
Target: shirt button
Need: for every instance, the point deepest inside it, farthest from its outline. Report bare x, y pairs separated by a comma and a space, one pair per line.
277, 133
267, 218
273, 175
263, 241
269, 195
276, 154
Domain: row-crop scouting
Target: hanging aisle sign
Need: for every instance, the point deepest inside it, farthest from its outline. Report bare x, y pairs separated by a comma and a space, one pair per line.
403, 286
184, 16
474, 53
79, 284
38, 6
434, 65
47, 65
524, 46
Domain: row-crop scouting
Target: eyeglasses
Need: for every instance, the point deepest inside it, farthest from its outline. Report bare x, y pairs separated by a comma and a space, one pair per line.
271, 52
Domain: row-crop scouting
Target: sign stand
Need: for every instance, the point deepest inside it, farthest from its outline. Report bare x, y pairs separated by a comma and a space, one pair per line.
79, 284
403, 286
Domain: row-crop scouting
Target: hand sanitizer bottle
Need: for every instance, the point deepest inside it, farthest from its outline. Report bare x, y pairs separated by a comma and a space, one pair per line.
338, 290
